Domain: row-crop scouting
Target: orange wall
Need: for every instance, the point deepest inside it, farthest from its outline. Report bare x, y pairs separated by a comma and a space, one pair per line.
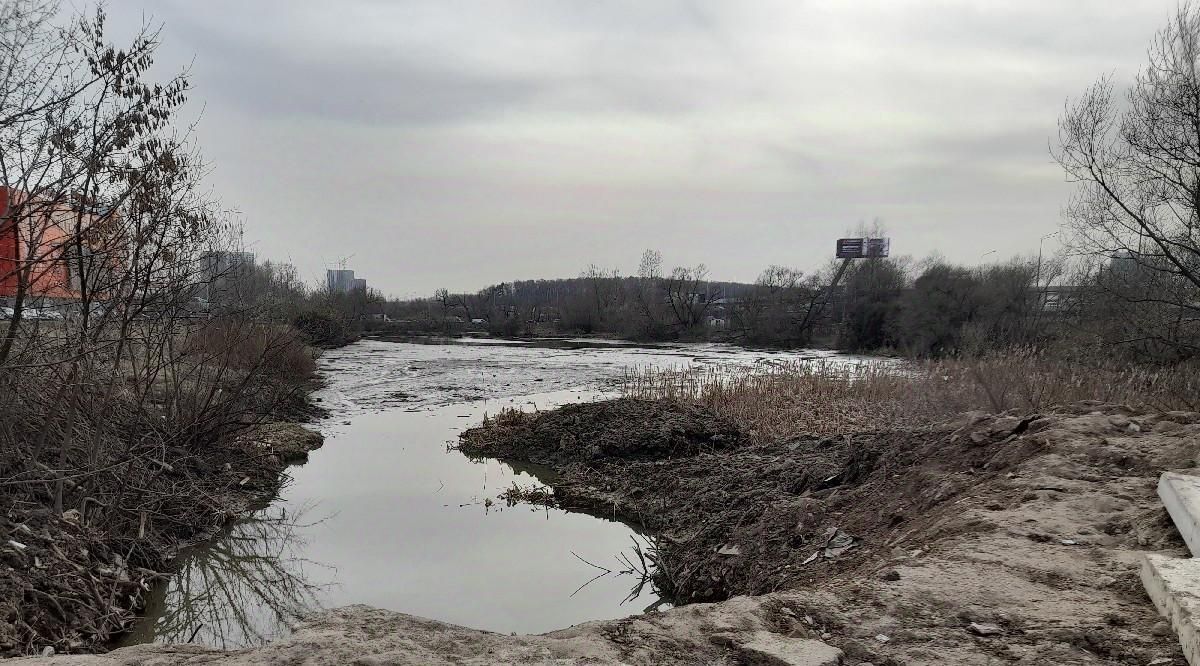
50, 275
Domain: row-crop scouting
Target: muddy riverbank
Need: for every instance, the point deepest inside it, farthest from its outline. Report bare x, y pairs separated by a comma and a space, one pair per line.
1013, 537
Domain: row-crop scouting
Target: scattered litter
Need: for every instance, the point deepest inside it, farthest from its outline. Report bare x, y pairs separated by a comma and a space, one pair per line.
729, 549
985, 629
17, 544
882, 638
1068, 542
838, 542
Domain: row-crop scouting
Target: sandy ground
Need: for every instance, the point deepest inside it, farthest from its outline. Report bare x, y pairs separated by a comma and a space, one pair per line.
740, 631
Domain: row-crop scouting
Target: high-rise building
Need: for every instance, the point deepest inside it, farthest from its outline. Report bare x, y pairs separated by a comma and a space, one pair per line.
339, 281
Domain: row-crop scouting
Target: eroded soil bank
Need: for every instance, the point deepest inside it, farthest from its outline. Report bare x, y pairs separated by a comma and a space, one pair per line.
1003, 538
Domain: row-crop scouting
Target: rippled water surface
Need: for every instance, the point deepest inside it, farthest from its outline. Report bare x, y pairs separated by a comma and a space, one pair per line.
386, 515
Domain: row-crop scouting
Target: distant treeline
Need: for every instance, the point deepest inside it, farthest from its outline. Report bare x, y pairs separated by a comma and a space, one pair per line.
926, 308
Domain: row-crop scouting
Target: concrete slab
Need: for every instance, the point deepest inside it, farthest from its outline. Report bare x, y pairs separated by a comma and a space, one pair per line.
1174, 586
1180, 493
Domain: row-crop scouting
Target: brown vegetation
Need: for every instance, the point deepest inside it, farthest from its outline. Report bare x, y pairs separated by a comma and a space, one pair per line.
777, 400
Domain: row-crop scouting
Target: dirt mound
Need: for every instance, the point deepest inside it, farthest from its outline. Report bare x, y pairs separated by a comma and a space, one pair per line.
625, 428
1028, 523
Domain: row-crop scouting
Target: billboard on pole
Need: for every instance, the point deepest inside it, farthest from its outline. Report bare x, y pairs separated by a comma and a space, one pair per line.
863, 248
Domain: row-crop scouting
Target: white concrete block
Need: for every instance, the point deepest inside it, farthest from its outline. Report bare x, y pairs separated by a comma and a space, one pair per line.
1174, 586
1180, 493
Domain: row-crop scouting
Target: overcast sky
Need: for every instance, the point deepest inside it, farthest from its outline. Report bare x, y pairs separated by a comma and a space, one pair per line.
458, 144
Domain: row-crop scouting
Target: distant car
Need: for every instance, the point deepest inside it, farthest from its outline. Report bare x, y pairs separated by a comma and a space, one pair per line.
42, 314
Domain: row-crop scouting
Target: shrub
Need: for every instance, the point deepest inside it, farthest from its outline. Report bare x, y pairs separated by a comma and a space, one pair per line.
324, 329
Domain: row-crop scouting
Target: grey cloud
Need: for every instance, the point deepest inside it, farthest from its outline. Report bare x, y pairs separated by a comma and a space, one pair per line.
457, 142
355, 87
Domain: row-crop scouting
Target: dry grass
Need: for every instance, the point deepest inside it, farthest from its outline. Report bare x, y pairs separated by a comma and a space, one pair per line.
823, 398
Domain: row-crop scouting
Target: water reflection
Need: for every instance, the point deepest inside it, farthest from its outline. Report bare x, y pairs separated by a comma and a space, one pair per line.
639, 564
244, 589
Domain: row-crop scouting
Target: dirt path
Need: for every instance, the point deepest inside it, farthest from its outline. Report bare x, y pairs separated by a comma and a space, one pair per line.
992, 539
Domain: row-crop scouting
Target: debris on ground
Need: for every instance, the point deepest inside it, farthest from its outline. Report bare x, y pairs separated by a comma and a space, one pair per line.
985, 629
69, 583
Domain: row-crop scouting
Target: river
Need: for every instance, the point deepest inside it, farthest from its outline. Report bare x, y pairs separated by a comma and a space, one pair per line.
386, 514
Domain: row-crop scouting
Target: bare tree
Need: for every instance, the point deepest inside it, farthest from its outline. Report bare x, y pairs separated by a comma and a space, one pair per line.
121, 409
764, 315
688, 296
1135, 157
647, 294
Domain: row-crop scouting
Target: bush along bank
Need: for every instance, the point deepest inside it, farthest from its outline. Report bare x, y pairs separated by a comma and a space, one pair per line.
1011, 536
89, 527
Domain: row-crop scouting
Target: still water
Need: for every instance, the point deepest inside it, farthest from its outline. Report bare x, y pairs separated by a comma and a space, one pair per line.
385, 514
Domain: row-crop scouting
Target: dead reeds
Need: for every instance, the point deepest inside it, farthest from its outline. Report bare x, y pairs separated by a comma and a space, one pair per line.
831, 396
